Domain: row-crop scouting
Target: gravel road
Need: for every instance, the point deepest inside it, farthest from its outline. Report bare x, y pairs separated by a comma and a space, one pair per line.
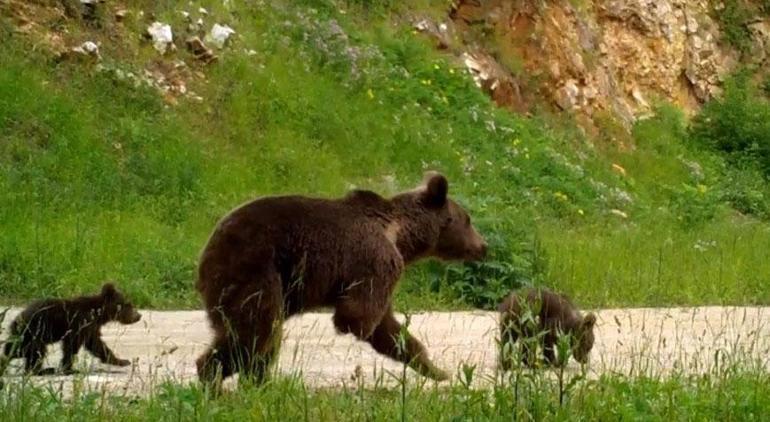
164, 345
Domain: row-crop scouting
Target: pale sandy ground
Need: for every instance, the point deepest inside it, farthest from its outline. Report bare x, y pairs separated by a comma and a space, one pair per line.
164, 346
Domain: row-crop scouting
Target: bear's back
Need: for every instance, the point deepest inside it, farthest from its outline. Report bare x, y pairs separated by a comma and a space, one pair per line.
553, 309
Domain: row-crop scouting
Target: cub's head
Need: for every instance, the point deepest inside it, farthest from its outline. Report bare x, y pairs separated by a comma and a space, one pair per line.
454, 238
585, 338
115, 306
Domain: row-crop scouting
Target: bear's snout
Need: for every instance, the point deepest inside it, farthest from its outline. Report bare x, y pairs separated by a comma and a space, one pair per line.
136, 317
483, 252
479, 251
131, 318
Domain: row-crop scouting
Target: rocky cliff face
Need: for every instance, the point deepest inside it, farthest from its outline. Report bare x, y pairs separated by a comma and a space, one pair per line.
595, 58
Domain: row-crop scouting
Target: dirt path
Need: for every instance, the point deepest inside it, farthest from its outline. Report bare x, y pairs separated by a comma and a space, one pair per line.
164, 346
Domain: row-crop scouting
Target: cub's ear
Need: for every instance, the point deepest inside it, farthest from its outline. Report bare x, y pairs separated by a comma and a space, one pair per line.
589, 321
436, 189
108, 290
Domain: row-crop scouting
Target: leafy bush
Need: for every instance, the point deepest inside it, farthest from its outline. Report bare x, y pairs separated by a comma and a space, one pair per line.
509, 266
694, 205
732, 19
738, 124
746, 190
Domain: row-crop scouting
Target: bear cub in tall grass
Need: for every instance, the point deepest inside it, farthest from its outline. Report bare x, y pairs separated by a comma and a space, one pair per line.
75, 322
539, 316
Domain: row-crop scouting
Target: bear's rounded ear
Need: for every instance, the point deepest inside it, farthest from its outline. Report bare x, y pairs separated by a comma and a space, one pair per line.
108, 290
589, 321
436, 189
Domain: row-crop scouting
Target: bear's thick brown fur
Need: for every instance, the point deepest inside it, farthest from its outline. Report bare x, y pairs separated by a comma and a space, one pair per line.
280, 256
533, 312
75, 322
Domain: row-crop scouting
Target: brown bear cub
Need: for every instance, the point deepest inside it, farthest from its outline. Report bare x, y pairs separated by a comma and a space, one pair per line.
279, 256
75, 322
540, 315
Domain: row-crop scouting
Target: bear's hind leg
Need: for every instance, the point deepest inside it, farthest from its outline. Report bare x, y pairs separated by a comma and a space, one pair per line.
258, 330
34, 354
216, 363
248, 329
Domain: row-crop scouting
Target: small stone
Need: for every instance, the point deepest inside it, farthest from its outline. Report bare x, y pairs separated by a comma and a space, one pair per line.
422, 25
219, 35
590, 93
567, 96
88, 51
200, 51
697, 42
161, 36
639, 98
618, 213
692, 25
553, 67
120, 15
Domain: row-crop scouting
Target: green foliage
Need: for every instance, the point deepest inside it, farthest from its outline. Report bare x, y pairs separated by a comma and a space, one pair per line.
738, 395
737, 124
99, 179
746, 190
733, 19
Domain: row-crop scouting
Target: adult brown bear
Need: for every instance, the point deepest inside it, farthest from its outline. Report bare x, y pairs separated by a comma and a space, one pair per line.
279, 256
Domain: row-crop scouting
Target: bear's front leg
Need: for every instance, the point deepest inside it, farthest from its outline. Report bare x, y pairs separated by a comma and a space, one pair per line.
393, 340
98, 348
357, 317
70, 347
362, 303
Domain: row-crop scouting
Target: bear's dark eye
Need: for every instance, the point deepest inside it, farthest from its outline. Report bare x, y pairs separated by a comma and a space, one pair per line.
467, 220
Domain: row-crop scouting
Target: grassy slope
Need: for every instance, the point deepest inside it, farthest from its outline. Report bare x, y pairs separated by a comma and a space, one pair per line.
98, 179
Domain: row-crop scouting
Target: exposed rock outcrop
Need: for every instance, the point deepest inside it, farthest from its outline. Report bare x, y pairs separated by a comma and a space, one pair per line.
615, 56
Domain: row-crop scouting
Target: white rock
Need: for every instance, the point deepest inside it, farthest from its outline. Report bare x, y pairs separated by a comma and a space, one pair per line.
161, 36
697, 42
422, 25
692, 25
637, 94
590, 93
88, 48
219, 35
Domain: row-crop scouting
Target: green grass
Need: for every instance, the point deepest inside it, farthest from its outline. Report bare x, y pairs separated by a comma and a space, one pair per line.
660, 266
743, 396
101, 180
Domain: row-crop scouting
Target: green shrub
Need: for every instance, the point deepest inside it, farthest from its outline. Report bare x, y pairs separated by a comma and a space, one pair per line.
733, 18
738, 124
746, 190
